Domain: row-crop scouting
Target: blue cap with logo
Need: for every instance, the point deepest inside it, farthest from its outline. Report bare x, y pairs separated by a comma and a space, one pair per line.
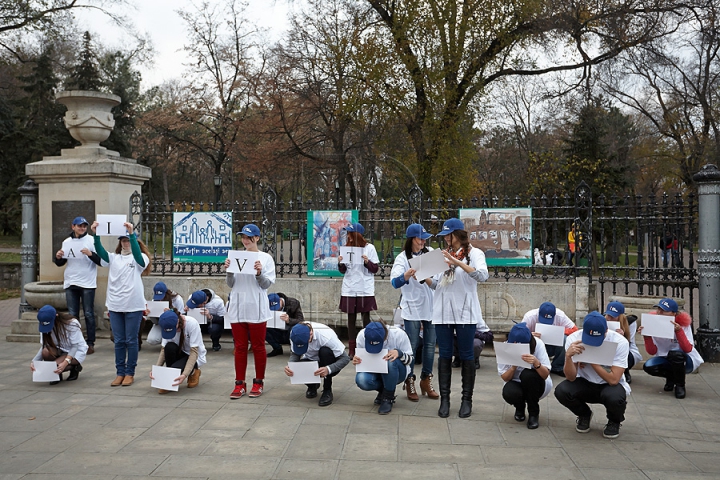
275, 303
417, 230
300, 338
374, 337
168, 324
594, 328
355, 227
80, 221
519, 333
159, 291
46, 318
668, 305
546, 313
196, 299
450, 226
250, 230
615, 309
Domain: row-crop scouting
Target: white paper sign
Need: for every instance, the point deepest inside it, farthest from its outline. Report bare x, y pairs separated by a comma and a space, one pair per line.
351, 255
71, 248
657, 326
303, 372
428, 264
197, 314
242, 261
551, 334
45, 372
371, 362
602, 355
511, 353
613, 325
111, 225
157, 307
275, 321
164, 377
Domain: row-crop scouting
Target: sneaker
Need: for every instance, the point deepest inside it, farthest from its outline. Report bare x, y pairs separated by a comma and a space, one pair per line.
612, 430
217, 348
256, 389
311, 391
583, 424
239, 391
326, 398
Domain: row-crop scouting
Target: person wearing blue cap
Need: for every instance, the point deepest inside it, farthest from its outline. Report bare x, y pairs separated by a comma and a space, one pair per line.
526, 385
377, 337
61, 341
591, 383
292, 314
80, 276
548, 314
213, 308
182, 347
615, 312
125, 299
315, 342
248, 311
416, 305
358, 287
161, 293
673, 358
456, 312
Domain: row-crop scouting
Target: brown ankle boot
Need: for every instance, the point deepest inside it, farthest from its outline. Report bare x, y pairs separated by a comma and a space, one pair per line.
351, 348
410, 387
426, 387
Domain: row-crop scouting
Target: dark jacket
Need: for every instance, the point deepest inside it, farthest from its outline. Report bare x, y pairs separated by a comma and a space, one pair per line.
293, 310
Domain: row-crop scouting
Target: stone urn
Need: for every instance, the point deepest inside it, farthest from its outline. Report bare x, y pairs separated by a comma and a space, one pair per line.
38, 294
89, 115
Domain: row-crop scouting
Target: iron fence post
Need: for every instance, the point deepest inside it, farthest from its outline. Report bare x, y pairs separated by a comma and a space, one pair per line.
28, 249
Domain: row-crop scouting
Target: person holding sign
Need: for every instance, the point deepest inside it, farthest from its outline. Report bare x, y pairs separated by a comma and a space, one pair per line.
61, 341
416, 305
595, 383
375, 338
248, 311
125, 299
291, 314
161, 293
315, 342
526, 385
213, 308
456, 311
182, 348
547, 314
80, 276
674, 357
615, 312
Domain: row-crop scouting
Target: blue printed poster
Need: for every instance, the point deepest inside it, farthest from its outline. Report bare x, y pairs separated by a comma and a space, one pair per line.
325, 236
204, 237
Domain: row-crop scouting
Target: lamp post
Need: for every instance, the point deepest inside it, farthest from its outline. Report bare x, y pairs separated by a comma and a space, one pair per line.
337, 194
217, 179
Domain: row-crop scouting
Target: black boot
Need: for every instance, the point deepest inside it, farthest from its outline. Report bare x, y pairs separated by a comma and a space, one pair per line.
55, 382
677, 371
74, 371
468, 385
444, 377
386, 402
456, 363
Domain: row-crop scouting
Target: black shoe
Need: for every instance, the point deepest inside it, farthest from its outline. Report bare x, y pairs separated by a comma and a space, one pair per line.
533, 422
386, 403
311, 391
669, 386
559, 373
74, 372
444, 410
612, 430
378, 399
477, 364
275, 352
456, 363
55, 382
583, 424
520, 414
679, 391
217, 348
628, 378
326, 398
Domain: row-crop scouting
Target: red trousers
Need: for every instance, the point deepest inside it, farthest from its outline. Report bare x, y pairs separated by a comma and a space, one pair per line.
255, 333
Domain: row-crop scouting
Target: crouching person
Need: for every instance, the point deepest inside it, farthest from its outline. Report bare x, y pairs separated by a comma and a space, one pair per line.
61, 341
182, 347
310, 341
374, 338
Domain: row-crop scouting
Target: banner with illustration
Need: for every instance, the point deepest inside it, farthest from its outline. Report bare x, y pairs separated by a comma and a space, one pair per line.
504, 234
325, 236
202, 236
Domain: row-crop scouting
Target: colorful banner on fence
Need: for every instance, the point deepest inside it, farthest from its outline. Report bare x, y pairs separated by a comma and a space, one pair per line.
202, 236
504, 234
325, 235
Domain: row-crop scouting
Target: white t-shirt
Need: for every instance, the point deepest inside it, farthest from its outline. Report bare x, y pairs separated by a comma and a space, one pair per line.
542, 356
620, 360
358, 281
248, 302
80, 271
75, 339
666, 345
417, 298
125, 292
634, 351
561, 319
457, 302
193, 338
397, 339
323, 336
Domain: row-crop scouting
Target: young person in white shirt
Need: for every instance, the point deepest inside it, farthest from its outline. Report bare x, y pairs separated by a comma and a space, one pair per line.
125, 299
548, 314
213, 308
162, 293
590, 383
80, 277
248, 312
61, 341
615, 312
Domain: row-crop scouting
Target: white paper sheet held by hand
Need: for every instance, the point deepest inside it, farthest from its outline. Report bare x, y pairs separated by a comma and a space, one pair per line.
276, 321
551, 334
45, 372
428, 264
111, 225
197, 314
165, 377
352, 255
511, 353
612, 325
242, 261
304, 372
371, 362
71, 248
657, 326
157, 307
602, 355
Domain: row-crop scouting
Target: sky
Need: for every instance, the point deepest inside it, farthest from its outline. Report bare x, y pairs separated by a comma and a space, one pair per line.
158, 20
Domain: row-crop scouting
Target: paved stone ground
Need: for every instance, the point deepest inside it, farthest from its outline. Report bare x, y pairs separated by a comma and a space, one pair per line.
87, 429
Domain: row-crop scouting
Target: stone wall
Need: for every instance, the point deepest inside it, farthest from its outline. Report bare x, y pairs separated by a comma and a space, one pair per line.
10, 275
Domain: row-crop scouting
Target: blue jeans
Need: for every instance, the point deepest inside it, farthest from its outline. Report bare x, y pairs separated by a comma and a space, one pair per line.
125, 327
663, 365
378, 381
465, 336
216, 327
412, 328
73, 295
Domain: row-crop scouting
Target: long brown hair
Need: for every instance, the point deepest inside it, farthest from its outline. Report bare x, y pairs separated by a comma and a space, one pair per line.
61, 329
622, 318
144, 249
354, 239
464, 239
408, 248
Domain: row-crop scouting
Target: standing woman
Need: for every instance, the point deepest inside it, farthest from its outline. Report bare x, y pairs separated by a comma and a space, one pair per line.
358, 287
456, 311
61, 341
248, 311
125, 299
416, 304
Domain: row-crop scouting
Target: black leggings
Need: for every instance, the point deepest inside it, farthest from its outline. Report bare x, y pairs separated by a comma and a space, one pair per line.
352, 320
175, 357
528, 390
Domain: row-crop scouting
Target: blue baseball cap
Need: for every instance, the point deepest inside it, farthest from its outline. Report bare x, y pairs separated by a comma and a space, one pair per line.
450, 226
615, 309
127, 235
668, 305
519, 333
374, 337
196, 299
355, 227
159, 291
168, 324
546, 313
300, 338
417, 230
80, 221
275, 303
46, 318
251, 230
594, 328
